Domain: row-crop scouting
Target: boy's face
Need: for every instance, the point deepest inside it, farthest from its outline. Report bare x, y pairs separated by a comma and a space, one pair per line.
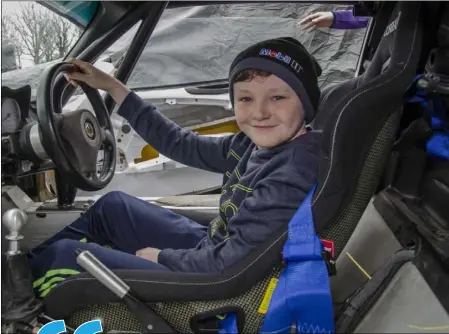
268, 111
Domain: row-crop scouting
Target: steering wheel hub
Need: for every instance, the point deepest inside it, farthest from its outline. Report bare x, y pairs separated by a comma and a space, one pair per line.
89, 130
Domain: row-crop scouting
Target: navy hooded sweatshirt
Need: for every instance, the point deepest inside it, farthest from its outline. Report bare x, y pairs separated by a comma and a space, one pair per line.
261, 191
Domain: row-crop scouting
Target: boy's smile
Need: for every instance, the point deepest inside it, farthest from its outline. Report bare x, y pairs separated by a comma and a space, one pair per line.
268, 111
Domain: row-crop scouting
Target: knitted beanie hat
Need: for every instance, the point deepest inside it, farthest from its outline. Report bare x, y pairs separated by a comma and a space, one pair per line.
287, 59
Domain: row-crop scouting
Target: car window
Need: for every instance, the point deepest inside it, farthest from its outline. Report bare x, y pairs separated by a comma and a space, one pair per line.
34, 37
198, 44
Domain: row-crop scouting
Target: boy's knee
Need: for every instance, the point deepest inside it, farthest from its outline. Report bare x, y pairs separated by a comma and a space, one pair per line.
111, 199
64, 246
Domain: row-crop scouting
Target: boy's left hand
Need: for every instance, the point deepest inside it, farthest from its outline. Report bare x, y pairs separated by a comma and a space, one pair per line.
317, 20
150, 254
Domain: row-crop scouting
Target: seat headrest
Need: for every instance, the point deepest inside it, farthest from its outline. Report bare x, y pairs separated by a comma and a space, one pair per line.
392, 52
390, 49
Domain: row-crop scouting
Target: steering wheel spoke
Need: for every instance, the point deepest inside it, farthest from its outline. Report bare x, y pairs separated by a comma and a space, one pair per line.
57, 121
93, 176
108, 137
74, 138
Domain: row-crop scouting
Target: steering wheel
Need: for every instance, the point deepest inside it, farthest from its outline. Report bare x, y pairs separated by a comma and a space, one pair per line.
72, 139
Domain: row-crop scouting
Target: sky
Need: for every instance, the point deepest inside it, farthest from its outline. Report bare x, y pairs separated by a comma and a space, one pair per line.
10, 6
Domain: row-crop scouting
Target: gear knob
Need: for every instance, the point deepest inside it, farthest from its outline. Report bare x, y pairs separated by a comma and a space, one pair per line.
14, 219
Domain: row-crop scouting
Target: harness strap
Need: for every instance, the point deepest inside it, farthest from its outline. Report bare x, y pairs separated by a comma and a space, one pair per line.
302, 296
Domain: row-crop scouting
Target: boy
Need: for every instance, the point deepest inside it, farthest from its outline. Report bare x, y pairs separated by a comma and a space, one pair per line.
268, 170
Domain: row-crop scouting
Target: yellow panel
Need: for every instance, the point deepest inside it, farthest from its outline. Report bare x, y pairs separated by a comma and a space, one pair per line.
230, 126
149, 152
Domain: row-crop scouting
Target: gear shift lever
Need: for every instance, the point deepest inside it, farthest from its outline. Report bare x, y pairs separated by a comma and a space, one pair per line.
14, 220
19, 303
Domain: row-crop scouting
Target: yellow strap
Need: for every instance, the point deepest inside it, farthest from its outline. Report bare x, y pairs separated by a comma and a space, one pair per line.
429, 328
364, 272
263, 307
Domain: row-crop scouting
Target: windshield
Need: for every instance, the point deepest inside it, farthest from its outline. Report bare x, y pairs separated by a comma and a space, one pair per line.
198, 44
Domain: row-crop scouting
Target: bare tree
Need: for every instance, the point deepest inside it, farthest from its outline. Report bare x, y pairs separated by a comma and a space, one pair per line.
6, 26
31, 25
60, 35
65, 34
48, 42
43, 35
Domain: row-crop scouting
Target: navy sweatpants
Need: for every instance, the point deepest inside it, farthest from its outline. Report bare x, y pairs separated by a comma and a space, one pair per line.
113, 229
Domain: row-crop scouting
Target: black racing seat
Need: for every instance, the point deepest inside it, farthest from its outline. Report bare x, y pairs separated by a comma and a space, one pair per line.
361, 120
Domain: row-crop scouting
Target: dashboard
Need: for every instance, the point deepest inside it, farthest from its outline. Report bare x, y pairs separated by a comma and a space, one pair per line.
15, 110
11, 116
19, 116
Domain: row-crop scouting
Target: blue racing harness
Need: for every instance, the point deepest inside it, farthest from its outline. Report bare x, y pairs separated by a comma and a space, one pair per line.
302, 295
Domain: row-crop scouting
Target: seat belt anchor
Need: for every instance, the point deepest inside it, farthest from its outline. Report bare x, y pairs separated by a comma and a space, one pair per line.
330, 263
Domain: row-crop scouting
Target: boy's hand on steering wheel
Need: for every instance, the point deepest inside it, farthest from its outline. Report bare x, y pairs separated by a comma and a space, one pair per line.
90, 75
150, 254
96, 78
